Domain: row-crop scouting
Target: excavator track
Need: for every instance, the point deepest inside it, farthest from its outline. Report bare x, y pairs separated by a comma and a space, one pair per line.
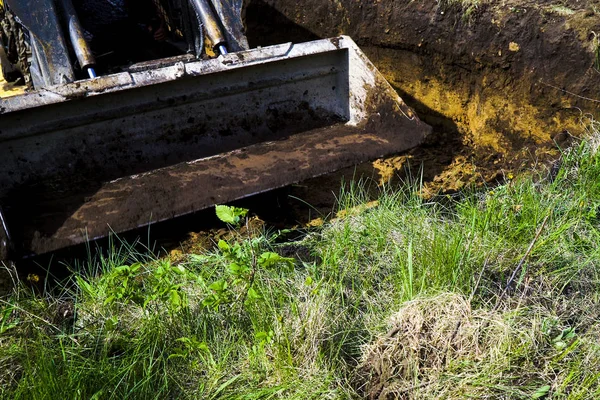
17, 52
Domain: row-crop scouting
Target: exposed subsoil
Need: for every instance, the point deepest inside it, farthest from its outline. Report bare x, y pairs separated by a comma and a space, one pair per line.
505, 85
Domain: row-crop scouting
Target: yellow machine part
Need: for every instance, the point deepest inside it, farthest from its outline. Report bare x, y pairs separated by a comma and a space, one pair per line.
8, 89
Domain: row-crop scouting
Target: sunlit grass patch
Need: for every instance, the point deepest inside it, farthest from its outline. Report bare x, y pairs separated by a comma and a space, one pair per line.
492, 292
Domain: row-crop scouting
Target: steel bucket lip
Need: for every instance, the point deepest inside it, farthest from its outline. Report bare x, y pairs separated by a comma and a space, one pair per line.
174, 70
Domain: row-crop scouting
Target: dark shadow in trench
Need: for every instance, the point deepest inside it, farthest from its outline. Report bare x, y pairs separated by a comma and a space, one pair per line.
267, 26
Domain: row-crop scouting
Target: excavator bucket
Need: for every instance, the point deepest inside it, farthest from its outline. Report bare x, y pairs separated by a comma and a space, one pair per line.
170, 137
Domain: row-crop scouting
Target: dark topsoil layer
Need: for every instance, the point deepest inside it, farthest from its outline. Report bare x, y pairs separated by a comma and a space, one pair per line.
556, 39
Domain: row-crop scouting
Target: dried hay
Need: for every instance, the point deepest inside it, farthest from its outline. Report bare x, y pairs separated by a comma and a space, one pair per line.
425, 336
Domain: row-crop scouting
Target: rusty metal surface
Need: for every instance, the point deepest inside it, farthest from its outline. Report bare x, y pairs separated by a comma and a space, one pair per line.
126, 150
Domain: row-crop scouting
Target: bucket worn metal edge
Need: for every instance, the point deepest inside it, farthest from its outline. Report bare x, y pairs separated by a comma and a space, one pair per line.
140, 200
161, 74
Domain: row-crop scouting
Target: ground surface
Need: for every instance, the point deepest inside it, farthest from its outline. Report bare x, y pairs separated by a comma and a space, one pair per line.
490, 295
8, 89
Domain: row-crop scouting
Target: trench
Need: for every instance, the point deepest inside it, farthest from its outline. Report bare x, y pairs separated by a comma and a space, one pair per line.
504, 91
502, 99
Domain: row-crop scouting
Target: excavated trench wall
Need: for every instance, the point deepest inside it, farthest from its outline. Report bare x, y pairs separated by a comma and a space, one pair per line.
510, 79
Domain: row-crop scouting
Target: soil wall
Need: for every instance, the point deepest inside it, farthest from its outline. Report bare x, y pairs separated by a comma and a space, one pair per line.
502, 81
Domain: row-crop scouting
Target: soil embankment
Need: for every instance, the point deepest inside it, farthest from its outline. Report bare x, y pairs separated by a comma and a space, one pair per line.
502, 82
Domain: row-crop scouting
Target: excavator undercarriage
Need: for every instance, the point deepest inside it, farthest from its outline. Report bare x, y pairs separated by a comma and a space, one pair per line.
88, 153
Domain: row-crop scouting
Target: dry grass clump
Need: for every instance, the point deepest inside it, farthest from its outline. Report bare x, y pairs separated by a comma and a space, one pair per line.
439, 348
424, 334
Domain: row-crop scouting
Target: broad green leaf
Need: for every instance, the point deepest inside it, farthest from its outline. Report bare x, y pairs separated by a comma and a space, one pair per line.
261, 336
209, 301
4, 324
202, 346
123, 269
180, 269
240, 212
174, 298
268, 259
230, 215
226, 214
135, 267
253, 294
218, 286
111, 323
109, 299
237, 269
224, 246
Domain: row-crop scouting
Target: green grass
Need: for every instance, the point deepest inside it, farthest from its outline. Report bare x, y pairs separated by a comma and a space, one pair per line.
408, 298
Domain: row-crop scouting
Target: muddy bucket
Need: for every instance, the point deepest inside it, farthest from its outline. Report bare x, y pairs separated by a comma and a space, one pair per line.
174, 136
